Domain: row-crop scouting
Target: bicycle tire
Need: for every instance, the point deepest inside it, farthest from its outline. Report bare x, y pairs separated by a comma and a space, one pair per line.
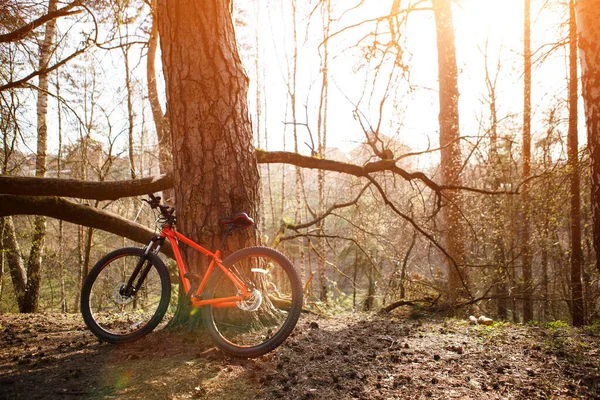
108, 276
242, 333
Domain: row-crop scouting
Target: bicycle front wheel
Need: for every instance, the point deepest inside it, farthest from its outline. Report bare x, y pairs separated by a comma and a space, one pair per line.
112, 312
258, 325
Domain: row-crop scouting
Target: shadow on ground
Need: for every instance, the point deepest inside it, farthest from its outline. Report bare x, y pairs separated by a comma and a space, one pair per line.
346, 357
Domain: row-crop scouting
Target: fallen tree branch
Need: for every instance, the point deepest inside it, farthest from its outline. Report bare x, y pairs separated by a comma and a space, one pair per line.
112, 190
285, 157
70, 211
107, 190
400, 303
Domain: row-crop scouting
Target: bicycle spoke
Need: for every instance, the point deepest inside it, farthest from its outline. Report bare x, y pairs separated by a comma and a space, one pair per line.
114, 310
261, 322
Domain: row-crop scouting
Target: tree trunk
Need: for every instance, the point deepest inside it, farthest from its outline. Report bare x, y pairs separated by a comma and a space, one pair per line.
354, 277
572, 150
588, 26
291, 84
10, 248
34, 265
449, 142
322, 137
61, 265
87, 250
161, 122
500, 276
130, 115
370, 299
214, 164
525, 232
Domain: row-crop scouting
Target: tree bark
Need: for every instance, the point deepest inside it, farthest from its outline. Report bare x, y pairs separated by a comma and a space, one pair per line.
573, 156
322, 138
449, 141
588, 27
130, 114
10, 247
500, 275
106, 190
161, 122
214, 164
34, 264
525, 230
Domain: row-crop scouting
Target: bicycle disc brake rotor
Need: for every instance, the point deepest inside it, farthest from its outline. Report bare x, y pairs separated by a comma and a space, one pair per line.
118, 297
253, 303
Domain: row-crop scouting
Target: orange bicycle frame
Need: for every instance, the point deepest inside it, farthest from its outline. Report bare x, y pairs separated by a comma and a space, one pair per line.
174, 237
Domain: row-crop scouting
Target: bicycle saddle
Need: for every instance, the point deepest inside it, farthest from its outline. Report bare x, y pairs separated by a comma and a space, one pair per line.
240, 219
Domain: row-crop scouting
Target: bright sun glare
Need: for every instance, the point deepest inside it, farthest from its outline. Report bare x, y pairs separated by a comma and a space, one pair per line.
475, 21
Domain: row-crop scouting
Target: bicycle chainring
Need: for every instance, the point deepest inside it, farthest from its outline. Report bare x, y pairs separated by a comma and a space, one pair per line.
253, 303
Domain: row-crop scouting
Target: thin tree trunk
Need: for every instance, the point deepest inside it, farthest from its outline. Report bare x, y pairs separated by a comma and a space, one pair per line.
501, 288
322, 138
370, 299
588, 15
449, 143
61, 267
525, 231
544, 265
354, 276
405, 265
572, 151
16, 268
87, 249
130, 116
80, 275
161, 123
258, 95
34, 265
1, 266
298, 187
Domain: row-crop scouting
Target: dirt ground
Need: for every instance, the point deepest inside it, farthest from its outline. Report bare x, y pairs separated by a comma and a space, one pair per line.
350, 356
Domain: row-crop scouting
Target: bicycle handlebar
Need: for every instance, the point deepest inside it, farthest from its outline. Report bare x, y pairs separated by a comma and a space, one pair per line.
154, 202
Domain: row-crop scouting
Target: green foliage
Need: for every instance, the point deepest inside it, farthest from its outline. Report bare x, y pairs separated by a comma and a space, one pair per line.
593, 329
556, 325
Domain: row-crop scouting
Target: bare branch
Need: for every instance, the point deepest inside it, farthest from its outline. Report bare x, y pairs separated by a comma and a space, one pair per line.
299, 160
329, 211
422, 232
25, 30
42, 71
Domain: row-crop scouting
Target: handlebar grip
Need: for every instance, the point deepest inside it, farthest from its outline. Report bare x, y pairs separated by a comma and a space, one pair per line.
154, 198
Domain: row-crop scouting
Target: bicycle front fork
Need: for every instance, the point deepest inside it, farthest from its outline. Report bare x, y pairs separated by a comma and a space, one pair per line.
131, 288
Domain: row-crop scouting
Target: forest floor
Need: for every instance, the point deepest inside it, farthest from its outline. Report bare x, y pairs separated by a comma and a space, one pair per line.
344, 357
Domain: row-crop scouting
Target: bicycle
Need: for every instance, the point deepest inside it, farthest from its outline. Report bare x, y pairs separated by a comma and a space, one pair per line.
250, 302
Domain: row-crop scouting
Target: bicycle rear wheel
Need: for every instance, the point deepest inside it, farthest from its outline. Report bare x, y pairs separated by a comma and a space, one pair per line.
261, 323
112, 313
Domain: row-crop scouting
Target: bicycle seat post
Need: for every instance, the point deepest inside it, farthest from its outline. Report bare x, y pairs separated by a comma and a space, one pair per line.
229, 229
